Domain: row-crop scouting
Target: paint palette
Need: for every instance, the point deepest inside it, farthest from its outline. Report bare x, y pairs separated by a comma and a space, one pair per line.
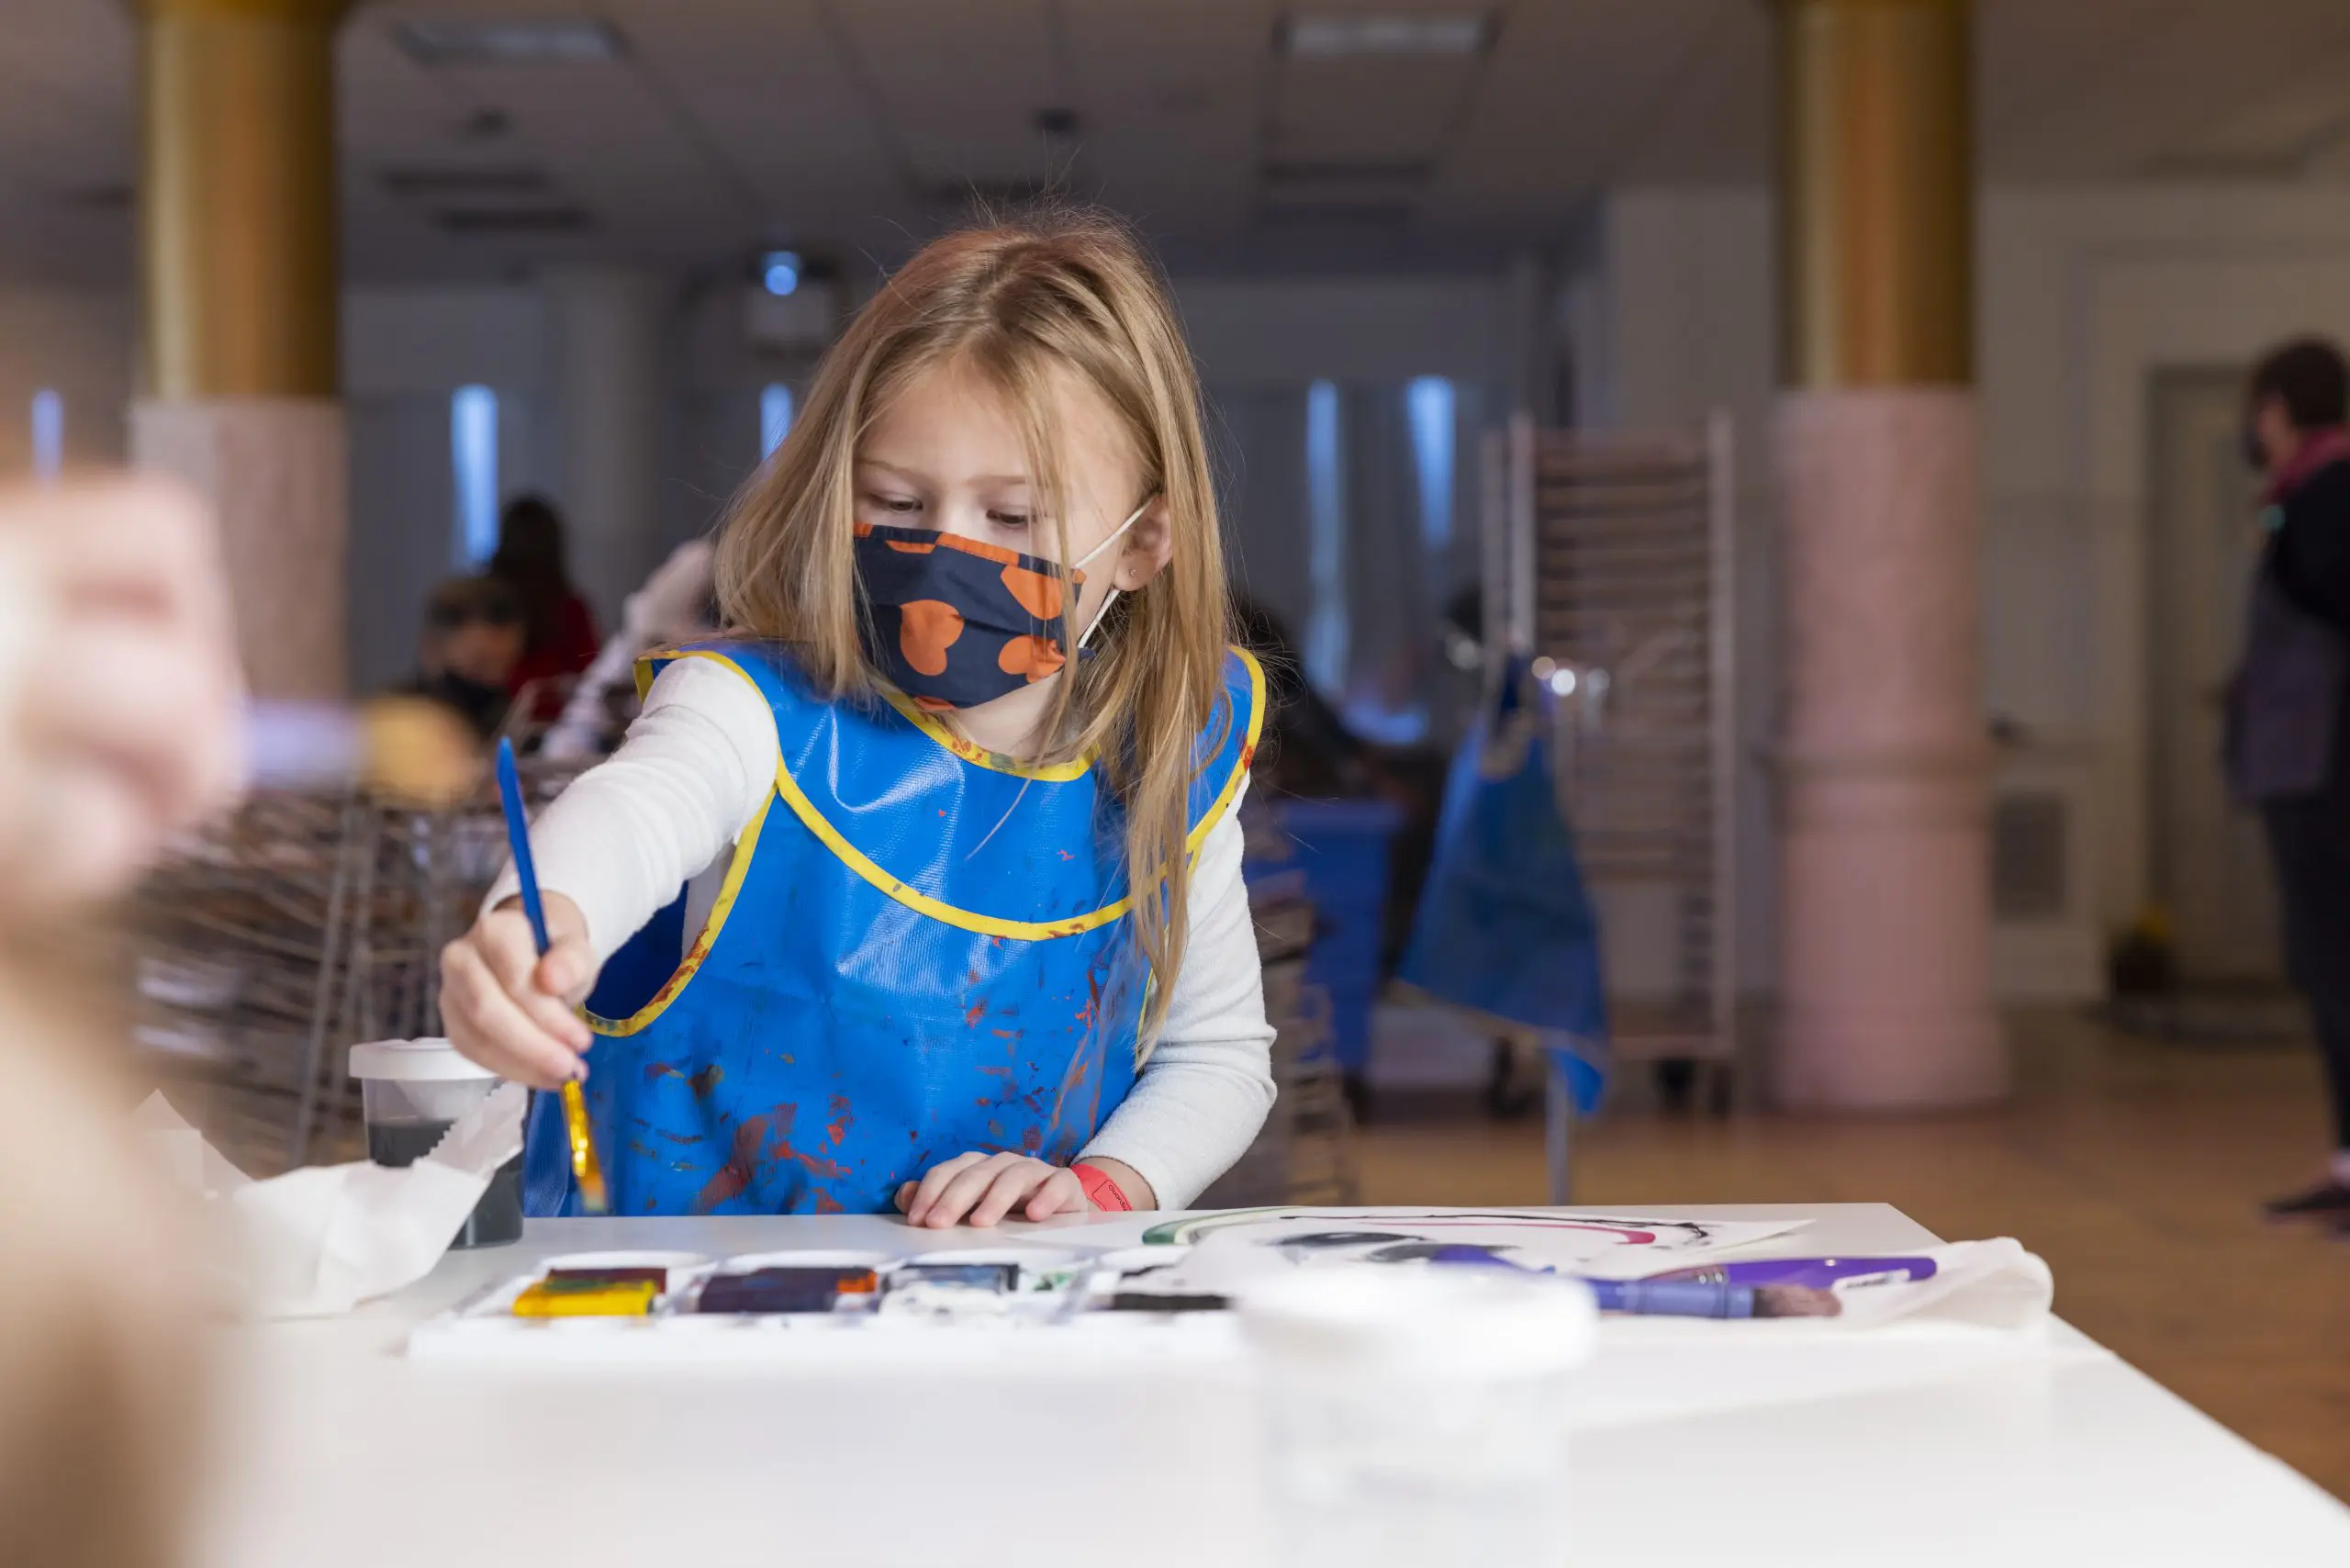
1150, 1289
665, 1305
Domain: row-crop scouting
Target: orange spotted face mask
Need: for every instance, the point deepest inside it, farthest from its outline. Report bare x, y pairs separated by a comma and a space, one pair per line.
957, 623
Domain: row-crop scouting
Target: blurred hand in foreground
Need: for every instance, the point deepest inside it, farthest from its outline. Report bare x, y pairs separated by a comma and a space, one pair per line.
119, 686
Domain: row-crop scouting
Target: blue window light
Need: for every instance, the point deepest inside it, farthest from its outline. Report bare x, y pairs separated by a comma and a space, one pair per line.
49, 434
775, 417
1325, 506
473, 452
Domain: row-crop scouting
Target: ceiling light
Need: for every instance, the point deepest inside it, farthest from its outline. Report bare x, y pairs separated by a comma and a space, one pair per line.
1324, 35
779, 273
453, 40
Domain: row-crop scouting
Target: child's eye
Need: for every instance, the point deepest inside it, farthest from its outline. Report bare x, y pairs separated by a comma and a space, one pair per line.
1008, 519
897, 505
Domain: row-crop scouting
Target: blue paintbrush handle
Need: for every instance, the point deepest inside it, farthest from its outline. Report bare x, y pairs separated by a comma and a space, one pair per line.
517, 836
1674, 1298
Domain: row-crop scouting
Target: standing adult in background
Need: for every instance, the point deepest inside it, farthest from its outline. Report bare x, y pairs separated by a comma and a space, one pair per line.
2288, 737
560, 629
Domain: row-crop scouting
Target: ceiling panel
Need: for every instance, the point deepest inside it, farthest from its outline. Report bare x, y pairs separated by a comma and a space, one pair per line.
733, 123
961, 84
1170, 96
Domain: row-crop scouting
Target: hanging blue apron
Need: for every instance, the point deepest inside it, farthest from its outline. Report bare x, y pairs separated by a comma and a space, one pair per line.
920, 948
1505, 927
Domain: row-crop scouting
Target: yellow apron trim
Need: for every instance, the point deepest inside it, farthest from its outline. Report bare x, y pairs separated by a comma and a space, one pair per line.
856, 861
737, 870
1023, 930
676, 985
978, 756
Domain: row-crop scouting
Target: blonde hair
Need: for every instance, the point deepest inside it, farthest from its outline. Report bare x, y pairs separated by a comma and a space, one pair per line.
1069, 290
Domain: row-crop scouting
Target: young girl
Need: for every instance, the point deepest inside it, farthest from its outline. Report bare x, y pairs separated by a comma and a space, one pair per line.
980, 944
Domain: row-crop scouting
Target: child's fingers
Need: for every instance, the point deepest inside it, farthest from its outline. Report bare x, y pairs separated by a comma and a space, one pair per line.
933, 1182
488, 1027
905, 1195
969, 1185
503, 939
568, 971
1011, 1184
1061, 1193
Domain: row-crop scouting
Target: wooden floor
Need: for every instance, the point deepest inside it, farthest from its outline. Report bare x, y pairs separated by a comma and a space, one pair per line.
2135, 1167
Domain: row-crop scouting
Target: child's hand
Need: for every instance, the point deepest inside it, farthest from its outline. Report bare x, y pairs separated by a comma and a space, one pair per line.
988, 1187
511, 1011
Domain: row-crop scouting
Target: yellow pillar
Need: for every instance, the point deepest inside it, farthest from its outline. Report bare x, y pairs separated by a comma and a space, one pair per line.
240, 369
1877, 153
1885, 900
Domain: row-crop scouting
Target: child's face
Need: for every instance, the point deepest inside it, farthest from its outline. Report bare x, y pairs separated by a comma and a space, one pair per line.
946, 454
483, 652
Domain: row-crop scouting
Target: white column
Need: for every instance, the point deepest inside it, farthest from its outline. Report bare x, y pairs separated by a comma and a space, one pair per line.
610, 375
275, 470
1885, 900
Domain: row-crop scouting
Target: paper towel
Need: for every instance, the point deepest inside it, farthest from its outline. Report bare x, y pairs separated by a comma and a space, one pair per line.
321, 1240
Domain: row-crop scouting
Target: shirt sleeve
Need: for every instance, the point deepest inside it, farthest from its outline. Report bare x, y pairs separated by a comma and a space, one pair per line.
1205, 1090
697, 765
2313, 547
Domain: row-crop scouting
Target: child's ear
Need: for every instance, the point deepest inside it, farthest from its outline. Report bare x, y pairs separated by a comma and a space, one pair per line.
1149, 545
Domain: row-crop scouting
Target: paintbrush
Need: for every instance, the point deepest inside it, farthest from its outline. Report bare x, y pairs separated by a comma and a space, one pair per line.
1691, 1298
586, 1171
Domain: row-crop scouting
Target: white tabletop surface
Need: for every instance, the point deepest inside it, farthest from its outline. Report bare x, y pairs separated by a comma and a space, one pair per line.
1713, 1443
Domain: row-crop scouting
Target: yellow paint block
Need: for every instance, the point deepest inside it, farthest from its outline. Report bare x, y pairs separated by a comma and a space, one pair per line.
555, 1300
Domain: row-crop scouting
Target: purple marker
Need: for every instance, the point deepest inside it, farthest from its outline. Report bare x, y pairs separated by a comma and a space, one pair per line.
1818, 1273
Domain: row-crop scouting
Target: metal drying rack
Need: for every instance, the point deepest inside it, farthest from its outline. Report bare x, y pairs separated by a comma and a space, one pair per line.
1611, 568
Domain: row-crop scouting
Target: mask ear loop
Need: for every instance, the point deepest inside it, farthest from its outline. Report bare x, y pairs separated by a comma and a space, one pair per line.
1112, 597
1108, 601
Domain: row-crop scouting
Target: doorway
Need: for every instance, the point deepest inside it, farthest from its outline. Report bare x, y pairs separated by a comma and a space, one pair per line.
2209, 867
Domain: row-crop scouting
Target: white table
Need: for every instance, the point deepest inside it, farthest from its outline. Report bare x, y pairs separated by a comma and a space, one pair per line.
1757, 1443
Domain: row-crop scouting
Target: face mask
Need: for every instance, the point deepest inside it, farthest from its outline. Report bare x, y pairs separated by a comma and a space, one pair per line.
956, 622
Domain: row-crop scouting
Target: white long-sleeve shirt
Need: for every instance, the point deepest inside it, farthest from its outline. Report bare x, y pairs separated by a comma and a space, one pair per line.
700, 761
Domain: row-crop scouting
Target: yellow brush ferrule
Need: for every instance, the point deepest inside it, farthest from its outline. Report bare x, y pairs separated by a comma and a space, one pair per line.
586, 1171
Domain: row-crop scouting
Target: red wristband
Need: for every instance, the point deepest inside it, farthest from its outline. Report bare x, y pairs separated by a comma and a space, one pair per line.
1100, 1190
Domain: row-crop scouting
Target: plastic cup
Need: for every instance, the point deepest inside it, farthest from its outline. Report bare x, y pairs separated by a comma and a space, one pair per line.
413, 1092
1418, 1418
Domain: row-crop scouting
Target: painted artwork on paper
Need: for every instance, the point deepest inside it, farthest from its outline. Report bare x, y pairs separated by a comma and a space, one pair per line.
1221, 1251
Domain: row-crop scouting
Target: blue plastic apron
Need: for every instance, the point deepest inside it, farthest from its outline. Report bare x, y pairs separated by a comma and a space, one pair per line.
920, 948
1504, 925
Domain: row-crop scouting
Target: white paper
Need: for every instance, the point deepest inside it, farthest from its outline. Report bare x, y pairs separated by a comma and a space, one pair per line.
1230, 1250
1991, 1284
321, 1240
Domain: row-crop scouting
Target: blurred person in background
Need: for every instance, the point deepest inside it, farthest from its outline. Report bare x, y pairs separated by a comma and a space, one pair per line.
2287, 734
474, 639
1308, 751
677, 604
530, 560
120, 697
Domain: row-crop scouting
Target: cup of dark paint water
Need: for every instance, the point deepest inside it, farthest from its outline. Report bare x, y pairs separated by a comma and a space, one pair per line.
1418, 1416
411, 1092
